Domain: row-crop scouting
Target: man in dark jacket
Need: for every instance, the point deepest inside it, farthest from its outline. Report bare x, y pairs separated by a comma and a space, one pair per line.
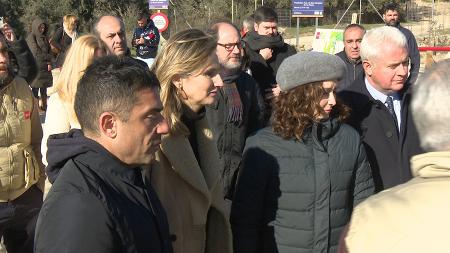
266, 49
239, 108
391, 17
379, 100
99, 202
111, 30
353, 35
145, 39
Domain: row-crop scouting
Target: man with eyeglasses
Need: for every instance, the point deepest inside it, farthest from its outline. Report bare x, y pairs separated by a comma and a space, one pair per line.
266, 50
239, 108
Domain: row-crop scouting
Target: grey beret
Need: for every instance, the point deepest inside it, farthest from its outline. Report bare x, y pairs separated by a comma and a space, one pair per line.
308, 67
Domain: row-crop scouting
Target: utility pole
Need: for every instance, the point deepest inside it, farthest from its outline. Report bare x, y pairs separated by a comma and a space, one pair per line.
432, 11
359, 21
232, 11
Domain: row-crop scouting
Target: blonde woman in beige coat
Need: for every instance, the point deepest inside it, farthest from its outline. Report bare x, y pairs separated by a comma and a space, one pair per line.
186, 172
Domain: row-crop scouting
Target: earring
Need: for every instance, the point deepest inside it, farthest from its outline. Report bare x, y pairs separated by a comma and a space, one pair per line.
180, 92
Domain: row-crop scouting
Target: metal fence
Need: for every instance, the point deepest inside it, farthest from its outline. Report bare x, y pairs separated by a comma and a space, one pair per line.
429, 23
284, 17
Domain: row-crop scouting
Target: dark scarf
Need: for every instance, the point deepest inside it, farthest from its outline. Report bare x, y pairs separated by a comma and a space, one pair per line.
257, 42
189, 119
231, 92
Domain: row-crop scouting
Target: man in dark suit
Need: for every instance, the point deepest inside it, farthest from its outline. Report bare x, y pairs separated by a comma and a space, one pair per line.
379, 100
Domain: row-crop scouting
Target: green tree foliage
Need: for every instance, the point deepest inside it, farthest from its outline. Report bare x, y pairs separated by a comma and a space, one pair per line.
20, 13
182, 13
11, 11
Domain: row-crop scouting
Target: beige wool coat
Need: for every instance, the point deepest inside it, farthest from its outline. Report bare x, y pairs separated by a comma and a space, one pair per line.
191, 193
410, 218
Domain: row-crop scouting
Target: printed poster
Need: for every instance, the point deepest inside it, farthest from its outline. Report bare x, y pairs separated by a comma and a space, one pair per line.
328, 40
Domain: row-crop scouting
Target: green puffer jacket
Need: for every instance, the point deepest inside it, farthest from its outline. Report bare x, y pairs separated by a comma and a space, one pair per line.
297, 196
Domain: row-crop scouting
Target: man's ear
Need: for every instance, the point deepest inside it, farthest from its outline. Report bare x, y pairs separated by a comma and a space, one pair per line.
368, 67
255, 26
107, 124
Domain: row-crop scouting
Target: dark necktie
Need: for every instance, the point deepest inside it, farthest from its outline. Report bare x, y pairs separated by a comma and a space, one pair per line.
390, 107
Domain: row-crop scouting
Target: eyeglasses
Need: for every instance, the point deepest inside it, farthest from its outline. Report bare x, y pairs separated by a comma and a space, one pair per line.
230, 46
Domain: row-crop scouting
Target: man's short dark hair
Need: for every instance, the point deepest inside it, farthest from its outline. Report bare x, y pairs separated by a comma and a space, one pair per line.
351, 26
110, 84
265, 14
391, 7
143, 14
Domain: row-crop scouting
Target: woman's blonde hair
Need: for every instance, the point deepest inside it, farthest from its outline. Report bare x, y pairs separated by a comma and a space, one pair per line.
185, 53
70, 21
78, 58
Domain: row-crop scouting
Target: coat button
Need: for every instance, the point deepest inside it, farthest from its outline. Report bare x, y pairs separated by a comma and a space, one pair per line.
389, 134
173, 237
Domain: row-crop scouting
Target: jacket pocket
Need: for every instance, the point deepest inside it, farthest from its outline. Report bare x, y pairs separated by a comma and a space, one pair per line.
31, 167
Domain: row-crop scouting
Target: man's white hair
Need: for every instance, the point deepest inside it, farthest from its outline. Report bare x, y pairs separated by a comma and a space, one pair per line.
376, 39
430, 108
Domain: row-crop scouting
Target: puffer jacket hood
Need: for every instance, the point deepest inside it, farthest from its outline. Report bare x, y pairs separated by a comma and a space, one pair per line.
35, 27
63, 147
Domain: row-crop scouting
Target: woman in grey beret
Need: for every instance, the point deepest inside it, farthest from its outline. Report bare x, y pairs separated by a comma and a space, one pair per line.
301, 177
